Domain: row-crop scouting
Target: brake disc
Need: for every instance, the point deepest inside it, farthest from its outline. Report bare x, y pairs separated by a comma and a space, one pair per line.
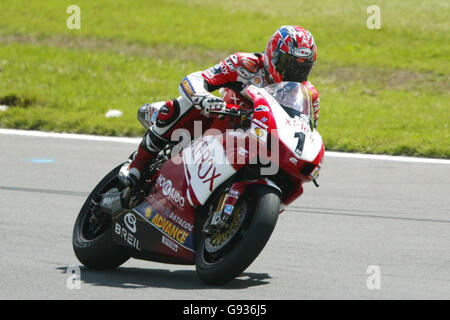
219, 239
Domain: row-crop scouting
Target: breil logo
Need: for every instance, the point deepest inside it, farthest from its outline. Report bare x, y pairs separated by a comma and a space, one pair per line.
130, 222
127, 232
169, 191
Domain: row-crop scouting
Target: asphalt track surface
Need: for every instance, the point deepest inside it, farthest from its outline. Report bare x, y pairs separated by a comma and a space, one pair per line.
390, 214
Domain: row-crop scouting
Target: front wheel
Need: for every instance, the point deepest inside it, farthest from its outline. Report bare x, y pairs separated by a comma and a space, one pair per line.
223, 256
92, 233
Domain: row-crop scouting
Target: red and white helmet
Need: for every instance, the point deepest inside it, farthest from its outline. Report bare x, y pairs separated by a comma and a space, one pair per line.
290, 54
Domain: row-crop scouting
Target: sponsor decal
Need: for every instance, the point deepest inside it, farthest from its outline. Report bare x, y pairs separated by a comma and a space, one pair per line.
234, 99
301, 124
206, 169
148, 212
257, 80
209, 74
249, 65
206, 166
234, 193
235, 133
154, 116
261, 124
130, 221
228, 210
262, 108
126, 232
234, 58
224, 68
260, 133
169, 192
169, 228
243, 73
217, 69
167, 222
187, 88
182, 223
302, 53
172, 245
229, 64
316, 103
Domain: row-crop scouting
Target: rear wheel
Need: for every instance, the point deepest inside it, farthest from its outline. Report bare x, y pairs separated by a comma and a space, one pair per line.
92, 234
224, 255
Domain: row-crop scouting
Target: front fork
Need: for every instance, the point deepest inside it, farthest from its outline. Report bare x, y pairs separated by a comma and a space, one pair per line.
218, 220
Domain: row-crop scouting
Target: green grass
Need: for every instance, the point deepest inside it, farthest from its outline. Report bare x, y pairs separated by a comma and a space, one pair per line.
382, 91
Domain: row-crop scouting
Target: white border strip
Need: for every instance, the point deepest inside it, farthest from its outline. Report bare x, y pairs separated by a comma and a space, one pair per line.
333, 154
72, 136
385, 157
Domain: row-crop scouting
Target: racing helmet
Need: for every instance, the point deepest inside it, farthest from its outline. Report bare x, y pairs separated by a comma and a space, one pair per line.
290, 54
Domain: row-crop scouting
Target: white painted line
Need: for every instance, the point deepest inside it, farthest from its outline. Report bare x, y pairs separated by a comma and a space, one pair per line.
385, 157
72, 136
332, 154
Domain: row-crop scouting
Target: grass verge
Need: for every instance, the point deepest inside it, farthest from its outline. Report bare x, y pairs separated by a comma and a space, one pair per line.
382, 91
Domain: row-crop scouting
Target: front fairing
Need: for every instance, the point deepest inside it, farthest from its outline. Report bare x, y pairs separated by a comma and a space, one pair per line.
300, 147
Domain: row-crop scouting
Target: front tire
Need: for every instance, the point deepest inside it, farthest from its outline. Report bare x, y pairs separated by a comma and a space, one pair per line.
263, 209
95, 249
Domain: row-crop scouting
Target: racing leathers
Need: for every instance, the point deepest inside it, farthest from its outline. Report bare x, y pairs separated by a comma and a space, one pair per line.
196, 103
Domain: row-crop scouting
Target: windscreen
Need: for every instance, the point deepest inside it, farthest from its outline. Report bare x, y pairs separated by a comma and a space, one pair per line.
294, 97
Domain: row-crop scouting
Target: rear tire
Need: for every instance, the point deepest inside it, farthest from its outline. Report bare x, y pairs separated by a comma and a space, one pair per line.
97, 251
252, 237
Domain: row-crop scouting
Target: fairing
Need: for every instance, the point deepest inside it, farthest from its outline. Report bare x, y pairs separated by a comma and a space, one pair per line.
164, 222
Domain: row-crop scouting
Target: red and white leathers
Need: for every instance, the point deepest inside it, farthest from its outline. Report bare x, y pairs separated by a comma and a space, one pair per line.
240, 70
231, 75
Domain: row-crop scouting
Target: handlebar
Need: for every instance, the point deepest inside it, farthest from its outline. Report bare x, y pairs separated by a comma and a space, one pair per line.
233, 110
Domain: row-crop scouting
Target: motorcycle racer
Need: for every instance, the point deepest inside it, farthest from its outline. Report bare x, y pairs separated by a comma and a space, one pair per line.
289, 56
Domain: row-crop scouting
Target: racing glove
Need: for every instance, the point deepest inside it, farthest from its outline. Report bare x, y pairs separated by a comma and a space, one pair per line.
209, 104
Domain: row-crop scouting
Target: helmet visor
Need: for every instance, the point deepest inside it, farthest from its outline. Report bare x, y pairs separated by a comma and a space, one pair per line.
291, 69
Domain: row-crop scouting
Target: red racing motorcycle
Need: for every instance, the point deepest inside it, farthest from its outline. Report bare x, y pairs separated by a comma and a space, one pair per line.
215, 202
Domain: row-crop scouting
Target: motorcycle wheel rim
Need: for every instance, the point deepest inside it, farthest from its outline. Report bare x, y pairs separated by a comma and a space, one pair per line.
216, 245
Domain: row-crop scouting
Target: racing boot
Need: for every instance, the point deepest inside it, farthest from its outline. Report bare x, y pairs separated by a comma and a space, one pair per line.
131, 171
153, 140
